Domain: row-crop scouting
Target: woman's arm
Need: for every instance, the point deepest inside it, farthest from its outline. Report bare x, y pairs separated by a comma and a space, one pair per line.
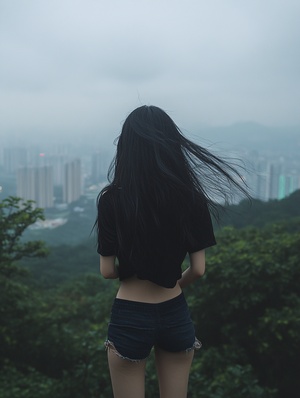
108, 267
195, 270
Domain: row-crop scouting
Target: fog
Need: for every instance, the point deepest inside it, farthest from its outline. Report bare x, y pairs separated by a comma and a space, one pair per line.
76, 67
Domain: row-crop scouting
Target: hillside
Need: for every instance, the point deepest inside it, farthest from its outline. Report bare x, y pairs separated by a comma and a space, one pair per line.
258, 213
245, 310
73, 248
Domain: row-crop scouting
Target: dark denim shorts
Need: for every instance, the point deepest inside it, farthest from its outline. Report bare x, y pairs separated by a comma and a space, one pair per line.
136, 327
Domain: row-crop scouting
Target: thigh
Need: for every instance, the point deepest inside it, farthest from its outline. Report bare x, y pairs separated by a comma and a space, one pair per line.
127, 377
173, 370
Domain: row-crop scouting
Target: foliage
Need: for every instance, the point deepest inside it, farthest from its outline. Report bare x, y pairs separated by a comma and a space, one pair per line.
51, 270
15, 296
56, 342
15, 216
258, 213
14, 383
53, 323
247, 307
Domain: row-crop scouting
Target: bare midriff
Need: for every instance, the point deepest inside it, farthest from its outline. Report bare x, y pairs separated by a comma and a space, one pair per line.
135, 289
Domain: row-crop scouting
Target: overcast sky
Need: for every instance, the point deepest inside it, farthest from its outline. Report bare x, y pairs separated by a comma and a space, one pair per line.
78, 66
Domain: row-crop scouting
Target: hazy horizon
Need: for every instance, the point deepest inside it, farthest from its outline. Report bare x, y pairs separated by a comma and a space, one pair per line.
248, 135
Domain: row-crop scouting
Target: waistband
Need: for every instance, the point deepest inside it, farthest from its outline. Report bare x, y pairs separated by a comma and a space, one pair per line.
122, 303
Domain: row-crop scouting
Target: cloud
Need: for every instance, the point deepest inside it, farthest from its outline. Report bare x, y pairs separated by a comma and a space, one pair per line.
76, 64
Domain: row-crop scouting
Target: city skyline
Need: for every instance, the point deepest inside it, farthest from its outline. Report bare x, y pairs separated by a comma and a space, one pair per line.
270, 174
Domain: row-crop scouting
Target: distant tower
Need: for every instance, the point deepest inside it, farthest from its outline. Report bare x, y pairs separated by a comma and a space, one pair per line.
36, 183
260, 191
72, 181
45, 186
273, 180
13, 158
99, 167
287, 184
58, 164
297, 177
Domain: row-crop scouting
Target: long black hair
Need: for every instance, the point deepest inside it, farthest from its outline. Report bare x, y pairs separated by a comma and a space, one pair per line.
157, 167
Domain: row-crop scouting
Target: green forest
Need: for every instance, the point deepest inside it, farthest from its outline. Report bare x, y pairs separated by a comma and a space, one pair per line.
54, 307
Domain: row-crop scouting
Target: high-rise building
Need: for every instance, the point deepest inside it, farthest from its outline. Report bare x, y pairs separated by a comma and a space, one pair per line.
36, 183
287, 185
58, 163
13, 158
72, 187
260, 178
99, 167
272, 176
274, 170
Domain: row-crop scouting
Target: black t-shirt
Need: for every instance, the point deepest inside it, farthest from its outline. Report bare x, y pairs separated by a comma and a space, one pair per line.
159, 260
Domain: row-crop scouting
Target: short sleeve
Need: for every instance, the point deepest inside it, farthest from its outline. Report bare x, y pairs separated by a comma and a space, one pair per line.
202, 233
107, 236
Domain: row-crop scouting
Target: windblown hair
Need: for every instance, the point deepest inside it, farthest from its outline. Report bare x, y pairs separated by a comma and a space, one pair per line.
156, 166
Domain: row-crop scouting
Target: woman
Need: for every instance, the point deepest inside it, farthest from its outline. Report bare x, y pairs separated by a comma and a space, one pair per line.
154, 212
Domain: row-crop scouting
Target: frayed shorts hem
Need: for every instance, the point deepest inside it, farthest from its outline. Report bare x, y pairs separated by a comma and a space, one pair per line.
110, 345
135, 328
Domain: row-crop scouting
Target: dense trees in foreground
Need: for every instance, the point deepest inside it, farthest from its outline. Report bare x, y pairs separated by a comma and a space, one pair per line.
53, 321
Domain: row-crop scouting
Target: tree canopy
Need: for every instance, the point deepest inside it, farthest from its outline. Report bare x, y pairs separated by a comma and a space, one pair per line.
246, 311
15, 217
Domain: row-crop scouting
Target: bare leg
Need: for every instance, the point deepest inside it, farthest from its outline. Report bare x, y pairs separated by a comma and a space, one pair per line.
127, 377
173, 372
